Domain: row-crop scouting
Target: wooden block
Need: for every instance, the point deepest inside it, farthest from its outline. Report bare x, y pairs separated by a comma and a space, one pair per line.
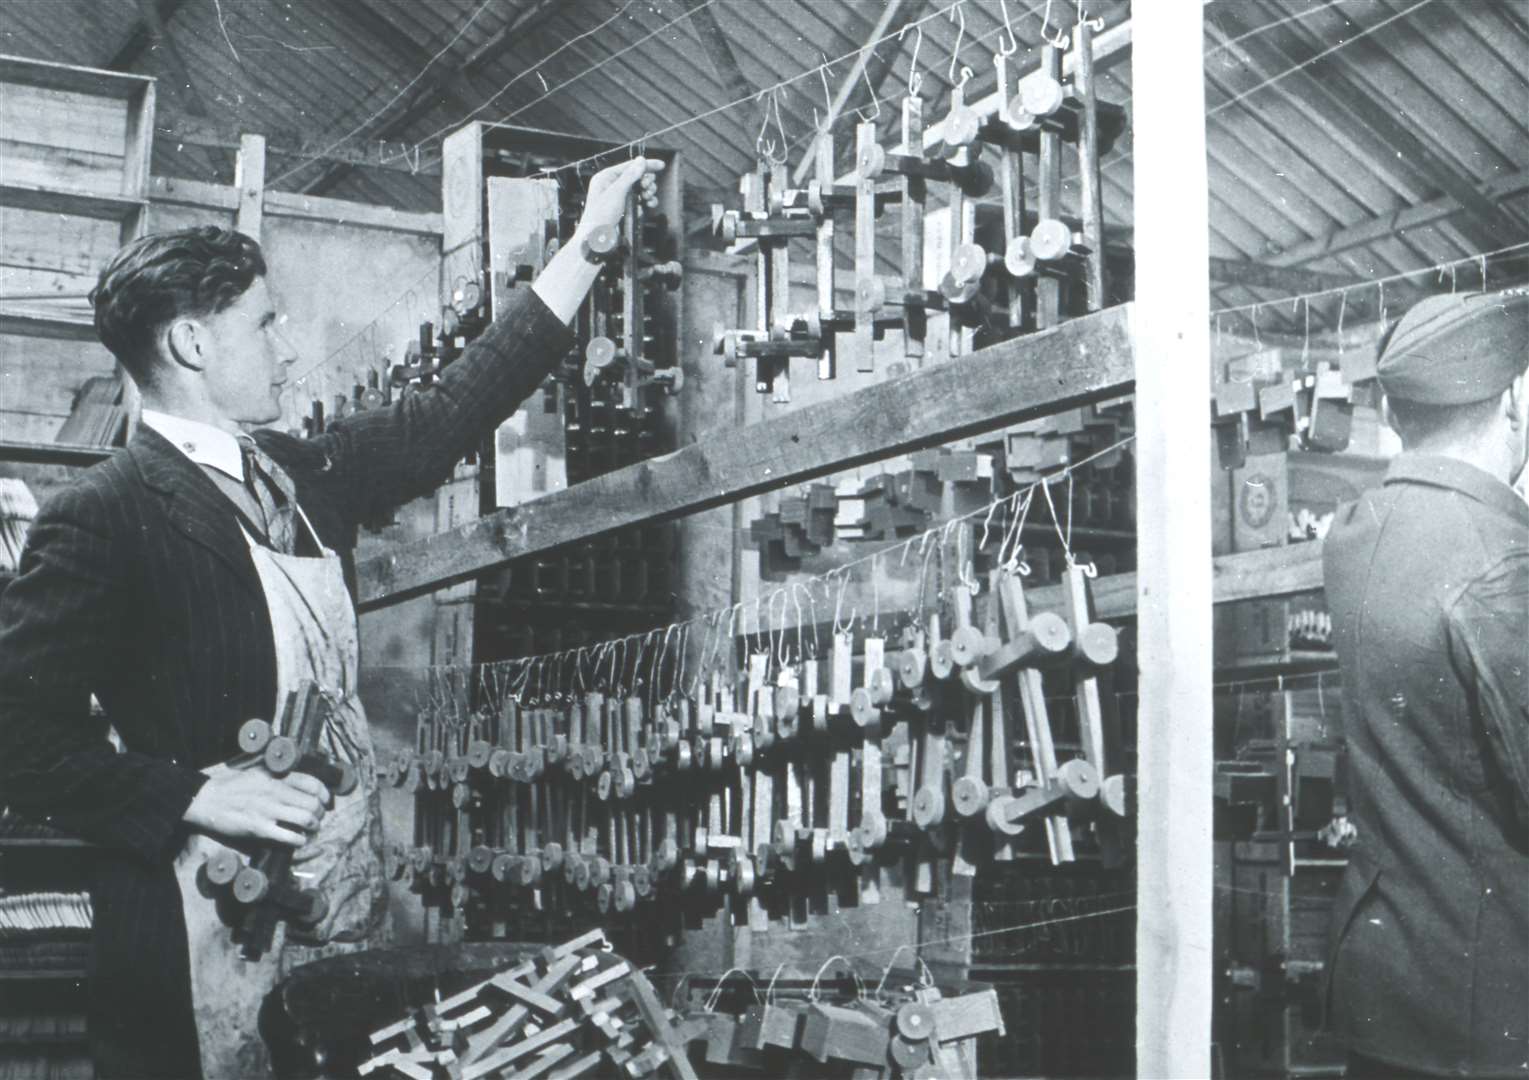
577, 1067
967, 1015
542, 1063
834, 1033
515, 1051
595, 982
1235, 397
535, 999
484, 1041
660, 1029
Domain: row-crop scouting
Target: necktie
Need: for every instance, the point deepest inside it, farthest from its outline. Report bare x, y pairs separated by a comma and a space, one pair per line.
272, 489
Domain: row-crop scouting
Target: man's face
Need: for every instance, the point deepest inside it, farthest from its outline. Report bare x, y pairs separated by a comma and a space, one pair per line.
247, 358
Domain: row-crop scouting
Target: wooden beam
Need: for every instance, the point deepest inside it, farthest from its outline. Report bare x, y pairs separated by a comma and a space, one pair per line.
1396, 223
850, 84
1285, 279
1347, 107
719, 50
249, 180
174, 65
1246, 575
455, 83
1175, 864
1087, 359
141, 36
175, 192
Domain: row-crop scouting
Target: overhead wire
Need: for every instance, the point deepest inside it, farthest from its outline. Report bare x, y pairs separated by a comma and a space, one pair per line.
343, 139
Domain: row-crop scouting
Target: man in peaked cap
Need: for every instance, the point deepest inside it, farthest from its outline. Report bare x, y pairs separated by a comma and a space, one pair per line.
1428, 585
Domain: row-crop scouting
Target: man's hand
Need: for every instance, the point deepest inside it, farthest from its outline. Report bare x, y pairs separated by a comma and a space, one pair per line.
564, 282
606, 202
239, 803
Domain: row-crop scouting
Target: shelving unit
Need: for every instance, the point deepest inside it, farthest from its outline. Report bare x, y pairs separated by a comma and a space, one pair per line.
83, 157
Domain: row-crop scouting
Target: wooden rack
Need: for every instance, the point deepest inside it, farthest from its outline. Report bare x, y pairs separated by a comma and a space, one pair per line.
1143, 347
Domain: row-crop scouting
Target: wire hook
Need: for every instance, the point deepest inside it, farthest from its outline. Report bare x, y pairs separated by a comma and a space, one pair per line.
828, 98
915, 79
1013, 46
780, 126
958, 16
1059, 41
763, 147
875, 101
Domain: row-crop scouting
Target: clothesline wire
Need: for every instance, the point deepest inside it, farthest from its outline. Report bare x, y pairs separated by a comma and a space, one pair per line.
597, 652
827, 66
1371, 283
390, 102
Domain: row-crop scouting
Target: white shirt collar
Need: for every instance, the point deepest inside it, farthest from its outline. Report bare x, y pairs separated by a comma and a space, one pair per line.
202, 443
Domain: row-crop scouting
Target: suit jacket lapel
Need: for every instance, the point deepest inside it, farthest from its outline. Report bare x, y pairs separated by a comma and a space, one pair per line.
193, 503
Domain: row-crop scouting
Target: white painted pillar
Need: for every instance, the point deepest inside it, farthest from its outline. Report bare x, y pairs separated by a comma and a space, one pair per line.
1173, 462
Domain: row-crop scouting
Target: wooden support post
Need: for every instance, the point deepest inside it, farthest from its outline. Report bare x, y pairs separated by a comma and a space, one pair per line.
249, 178
1090, 198
1048, 289
1174, 951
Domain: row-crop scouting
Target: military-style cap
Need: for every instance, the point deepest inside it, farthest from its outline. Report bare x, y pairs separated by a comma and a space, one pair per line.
1453, 350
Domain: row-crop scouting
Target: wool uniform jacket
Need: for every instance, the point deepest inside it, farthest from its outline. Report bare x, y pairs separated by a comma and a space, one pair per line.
137, 586
1428, 586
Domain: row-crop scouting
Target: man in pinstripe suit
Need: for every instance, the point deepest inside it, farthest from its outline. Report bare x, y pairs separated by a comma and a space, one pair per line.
139, 585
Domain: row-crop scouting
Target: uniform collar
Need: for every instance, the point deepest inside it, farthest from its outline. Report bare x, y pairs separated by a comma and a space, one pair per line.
204, 444
1447, 472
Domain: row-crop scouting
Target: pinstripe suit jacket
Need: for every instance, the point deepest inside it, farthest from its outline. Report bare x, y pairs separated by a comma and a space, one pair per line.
137, 585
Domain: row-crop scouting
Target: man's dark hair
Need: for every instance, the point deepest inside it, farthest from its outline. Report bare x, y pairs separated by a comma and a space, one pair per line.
155, 279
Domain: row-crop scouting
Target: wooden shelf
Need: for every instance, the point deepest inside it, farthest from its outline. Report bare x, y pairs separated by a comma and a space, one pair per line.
79, 80
42, 842
1291, 662
53, 453
73, 203
42, 322
1080, 532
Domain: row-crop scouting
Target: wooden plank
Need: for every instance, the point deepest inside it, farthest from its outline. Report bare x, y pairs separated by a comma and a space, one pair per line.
1175, 753
53, 200
1247, 575
1284, 278
719, 50
1401, 221
39, 165
52, 453
249, 180
37, 321
63, 119
83, 80
1087, 359
1350, 109
207, 196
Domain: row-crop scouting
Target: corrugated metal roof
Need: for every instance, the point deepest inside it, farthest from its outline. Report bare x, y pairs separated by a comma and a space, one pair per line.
1309, 100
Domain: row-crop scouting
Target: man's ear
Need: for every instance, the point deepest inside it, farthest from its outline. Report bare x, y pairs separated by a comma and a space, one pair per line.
183, 341
1513, 404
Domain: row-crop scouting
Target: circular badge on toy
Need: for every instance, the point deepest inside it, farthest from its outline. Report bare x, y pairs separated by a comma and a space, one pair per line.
1256, 500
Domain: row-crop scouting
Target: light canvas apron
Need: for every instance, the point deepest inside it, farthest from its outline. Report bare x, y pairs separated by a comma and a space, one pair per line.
313, 625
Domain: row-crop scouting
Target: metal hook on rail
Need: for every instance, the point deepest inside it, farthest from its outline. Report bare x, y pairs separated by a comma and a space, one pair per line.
958, 16
1059, 41
876, 101
915, 79
1008, 27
